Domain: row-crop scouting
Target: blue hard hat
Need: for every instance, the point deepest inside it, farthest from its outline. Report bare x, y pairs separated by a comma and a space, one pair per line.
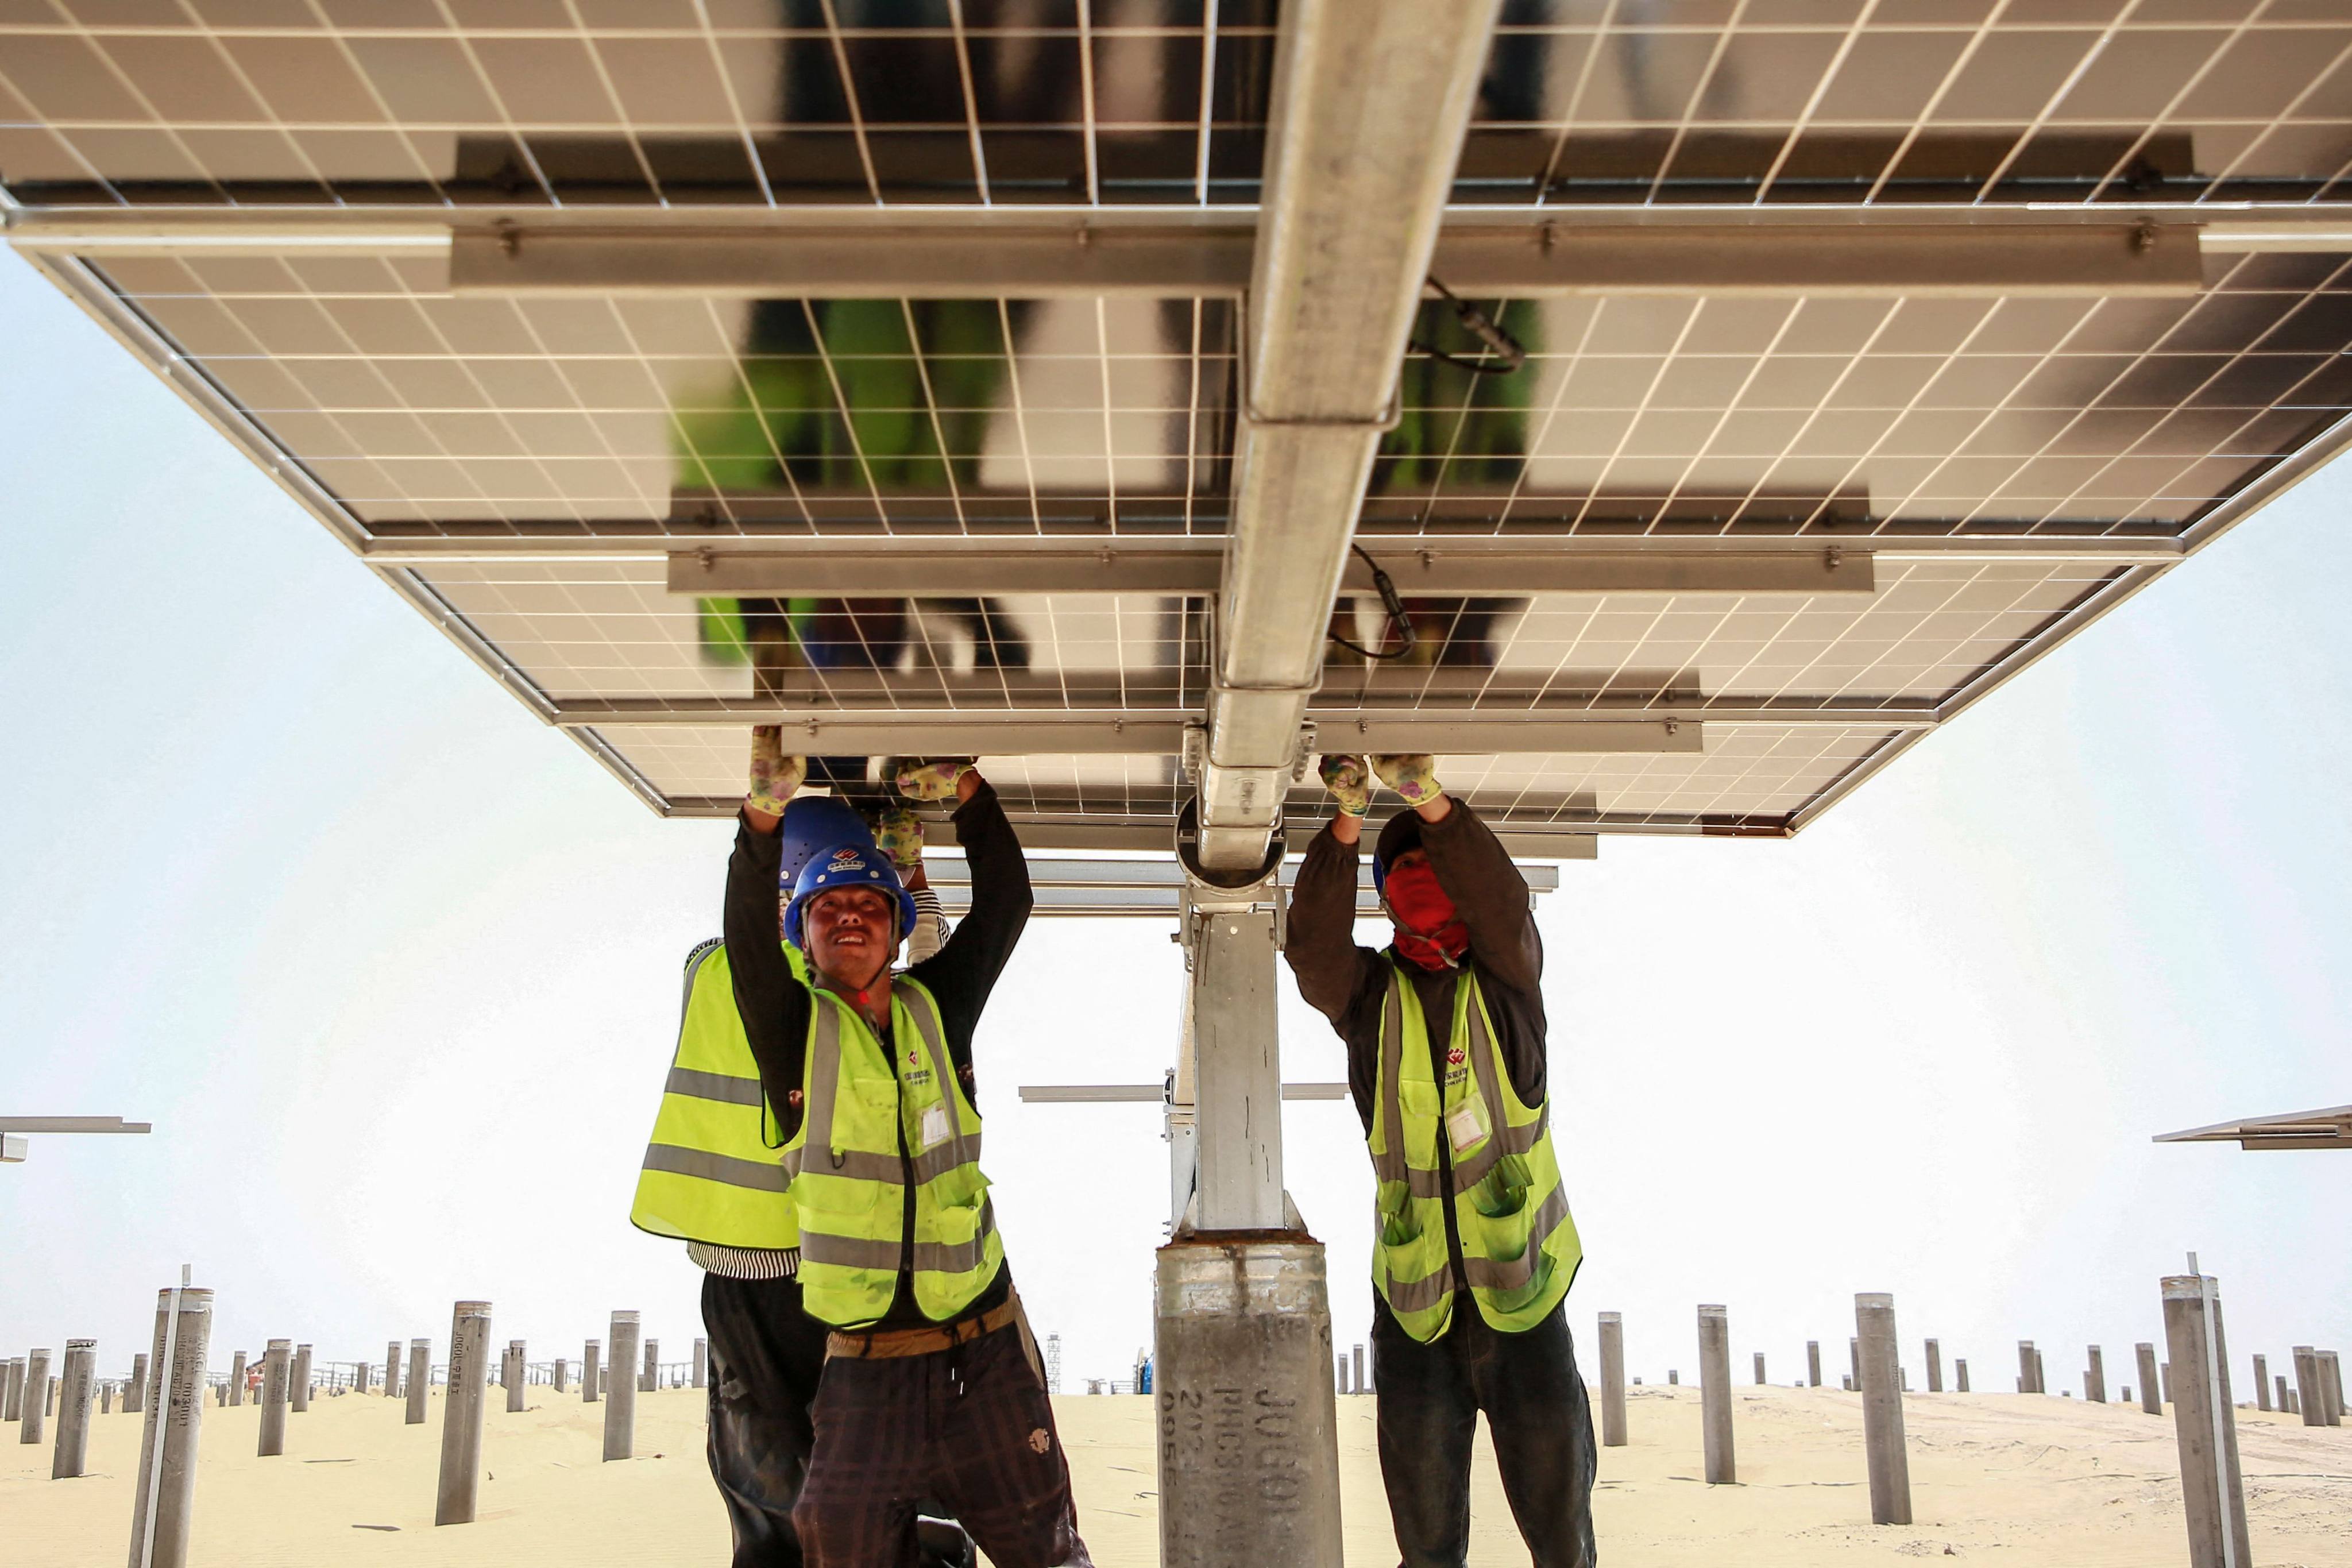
853, 865
814, 822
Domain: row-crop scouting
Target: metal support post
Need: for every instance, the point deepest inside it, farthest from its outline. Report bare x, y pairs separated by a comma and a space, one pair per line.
73, 1410
515, 1371
1812, 1364
299, 1390
37, 1398
2094, 1381
701, 1360
1612, 1380
164, 1503
2211, 1491
277, 1365
461, 1414
1935, 1368
2151, 1398
1881, 1410
420, 1381
2262, 1383
1228, 938
621, 1409
1715, 1393
590, 1372
134, 1393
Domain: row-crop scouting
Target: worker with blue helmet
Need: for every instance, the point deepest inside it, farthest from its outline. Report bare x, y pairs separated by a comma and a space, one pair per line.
856, 863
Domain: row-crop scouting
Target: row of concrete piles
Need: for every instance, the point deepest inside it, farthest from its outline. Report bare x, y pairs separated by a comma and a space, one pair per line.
2204, 1426
163, 1500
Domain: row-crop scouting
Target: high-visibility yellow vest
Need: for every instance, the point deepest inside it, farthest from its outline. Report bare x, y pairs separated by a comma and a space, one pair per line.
713, 1170
1519, 1247
848, 1180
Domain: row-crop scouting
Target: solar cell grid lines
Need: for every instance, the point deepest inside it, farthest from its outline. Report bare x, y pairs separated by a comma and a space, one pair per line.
886, 101
543, 307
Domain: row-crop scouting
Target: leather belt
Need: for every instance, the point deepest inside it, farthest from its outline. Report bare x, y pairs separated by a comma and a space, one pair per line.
893, 1342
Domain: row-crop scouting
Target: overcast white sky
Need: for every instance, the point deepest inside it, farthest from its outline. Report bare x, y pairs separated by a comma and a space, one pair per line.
392, 969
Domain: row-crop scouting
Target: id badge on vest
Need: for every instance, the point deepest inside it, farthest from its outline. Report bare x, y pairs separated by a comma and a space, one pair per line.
934, 1127
1465, 1125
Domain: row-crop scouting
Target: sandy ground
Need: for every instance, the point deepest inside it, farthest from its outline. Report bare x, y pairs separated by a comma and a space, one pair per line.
2022, 1481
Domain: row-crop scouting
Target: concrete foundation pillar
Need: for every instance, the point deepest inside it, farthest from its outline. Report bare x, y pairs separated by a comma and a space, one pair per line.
701, 1361
561, 1367
276, 1372
651, 1379
1715, 1395
2094, 1380
1812, 1364
1339, 1373
2331, 1368
419, 1383
299, 1389
36, 1419
1935, 1368
2285, 1395
2152, 1399
2262, 1383
1249, 1461
391, 1369
621, 1408
134, 1393
2212, 1493
1853, 1363
236, 1379
518, 1368
1612, 1380
164, 1499
2028, 1366
2310, 1402
81, 1377
1759, 1369
461, 1414
360, 1375
1881, 1410
591, 1374
1960, 1375
1356, 1369
2164, 1379
12, 1397
106, 1398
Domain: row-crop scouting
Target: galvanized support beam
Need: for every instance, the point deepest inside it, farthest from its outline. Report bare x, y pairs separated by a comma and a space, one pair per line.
1107, 257
1371, 102
1191, 568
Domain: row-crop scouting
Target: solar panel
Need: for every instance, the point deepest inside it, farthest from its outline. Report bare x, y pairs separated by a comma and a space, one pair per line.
649, 348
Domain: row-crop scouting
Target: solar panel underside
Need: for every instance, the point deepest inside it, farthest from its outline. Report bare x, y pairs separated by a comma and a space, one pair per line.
415, 412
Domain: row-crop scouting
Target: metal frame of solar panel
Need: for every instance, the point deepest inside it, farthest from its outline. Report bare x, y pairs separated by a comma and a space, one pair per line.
957, 376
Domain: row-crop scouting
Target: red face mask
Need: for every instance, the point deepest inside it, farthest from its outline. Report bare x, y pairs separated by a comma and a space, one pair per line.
1429, 930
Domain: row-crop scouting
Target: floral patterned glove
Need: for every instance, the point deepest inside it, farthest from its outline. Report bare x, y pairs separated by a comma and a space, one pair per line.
898, 832
1349, 783
1414, 777
774, 776
932, 778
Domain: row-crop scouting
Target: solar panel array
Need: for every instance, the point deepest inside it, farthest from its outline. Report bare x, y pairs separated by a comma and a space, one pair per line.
570, 438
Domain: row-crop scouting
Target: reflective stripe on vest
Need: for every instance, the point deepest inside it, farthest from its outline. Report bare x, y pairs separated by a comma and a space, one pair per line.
849, 1176
1519, 1247
711, 1171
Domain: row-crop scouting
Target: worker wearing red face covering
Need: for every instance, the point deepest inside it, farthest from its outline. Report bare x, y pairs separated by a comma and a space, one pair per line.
1474, 1249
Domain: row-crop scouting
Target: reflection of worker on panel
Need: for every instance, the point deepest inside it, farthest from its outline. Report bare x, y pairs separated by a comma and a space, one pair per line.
1475, 1248
932, 1386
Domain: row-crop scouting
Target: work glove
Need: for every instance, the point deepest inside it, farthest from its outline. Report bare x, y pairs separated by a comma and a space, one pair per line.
1411, 777
774, 776
932, 778
898, 832
1349, 783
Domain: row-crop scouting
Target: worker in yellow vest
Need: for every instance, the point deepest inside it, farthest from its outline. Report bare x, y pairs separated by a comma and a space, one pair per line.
1474, 1249
931, 1385
712, 1177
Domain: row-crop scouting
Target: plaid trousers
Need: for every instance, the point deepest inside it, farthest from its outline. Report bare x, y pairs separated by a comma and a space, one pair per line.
970, 1428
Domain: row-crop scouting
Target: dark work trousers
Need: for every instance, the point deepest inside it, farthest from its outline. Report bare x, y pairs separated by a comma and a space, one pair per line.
767, 1356
970, 1426
1430, 1396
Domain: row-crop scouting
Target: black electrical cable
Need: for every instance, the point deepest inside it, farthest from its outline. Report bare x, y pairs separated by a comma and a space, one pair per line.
1510, 354
1393, 602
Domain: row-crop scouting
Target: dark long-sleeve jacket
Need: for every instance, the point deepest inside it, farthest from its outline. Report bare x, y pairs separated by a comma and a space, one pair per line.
1346, 983
775, 1006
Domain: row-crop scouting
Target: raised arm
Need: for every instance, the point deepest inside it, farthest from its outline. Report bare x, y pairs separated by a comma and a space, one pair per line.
965, 971
1476, 871
774, 1005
